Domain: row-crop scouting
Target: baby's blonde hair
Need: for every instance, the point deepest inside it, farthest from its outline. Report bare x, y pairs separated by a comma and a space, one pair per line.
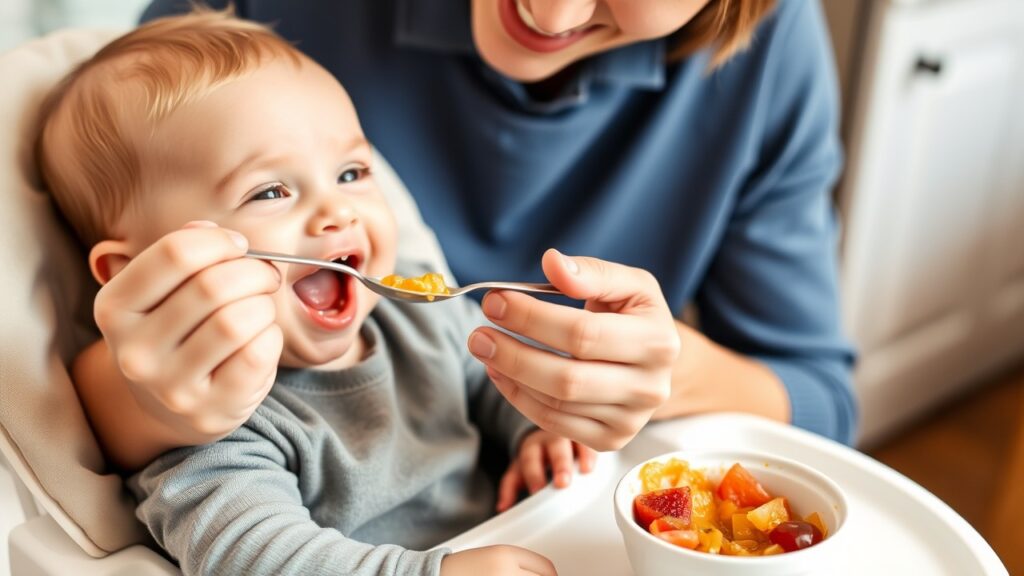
87, 156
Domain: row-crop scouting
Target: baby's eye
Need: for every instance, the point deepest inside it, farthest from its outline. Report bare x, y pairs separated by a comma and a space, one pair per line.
273, 192
353, 174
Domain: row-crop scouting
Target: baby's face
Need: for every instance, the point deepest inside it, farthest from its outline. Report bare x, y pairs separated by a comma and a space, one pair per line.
280, 157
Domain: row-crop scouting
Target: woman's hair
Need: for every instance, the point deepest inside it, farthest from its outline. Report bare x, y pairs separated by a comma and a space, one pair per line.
95, 120
727, 25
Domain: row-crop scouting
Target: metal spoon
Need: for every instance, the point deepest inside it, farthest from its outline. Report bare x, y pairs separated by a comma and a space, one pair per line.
375, 284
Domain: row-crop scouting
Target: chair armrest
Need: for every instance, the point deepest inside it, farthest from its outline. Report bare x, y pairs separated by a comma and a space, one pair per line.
39, 547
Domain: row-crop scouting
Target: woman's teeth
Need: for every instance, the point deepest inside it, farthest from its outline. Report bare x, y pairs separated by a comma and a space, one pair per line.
528, 20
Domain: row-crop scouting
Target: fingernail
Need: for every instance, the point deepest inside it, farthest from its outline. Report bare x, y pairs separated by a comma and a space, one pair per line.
570, 263
201, 224
494, 306
238, 239
562, 480
481, 346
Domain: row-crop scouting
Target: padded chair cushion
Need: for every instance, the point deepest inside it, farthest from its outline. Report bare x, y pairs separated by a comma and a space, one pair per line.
46, 311
46, 317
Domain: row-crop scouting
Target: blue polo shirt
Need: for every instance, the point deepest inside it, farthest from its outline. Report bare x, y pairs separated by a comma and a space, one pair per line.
717, 182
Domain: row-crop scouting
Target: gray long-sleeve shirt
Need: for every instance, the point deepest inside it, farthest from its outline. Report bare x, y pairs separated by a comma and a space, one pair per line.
350, 472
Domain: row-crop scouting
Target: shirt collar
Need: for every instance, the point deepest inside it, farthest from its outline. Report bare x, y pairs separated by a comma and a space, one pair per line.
444, 26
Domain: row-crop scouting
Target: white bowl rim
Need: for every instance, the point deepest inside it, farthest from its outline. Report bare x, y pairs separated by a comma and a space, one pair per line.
710, 454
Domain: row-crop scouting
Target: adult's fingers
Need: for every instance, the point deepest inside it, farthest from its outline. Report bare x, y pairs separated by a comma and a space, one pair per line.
605, 413
590, 432
225, 332
207, 291
614, 337
593, 279
564, 378
154, 273
245, 378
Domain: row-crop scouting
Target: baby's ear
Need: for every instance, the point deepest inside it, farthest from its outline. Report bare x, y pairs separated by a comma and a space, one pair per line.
107, 258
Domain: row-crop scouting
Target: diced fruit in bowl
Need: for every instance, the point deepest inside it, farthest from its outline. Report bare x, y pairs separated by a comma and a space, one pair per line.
729, 513
740, 519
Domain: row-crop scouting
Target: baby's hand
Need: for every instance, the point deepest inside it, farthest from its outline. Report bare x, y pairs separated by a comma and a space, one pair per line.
497, 561
190, 325
539, 451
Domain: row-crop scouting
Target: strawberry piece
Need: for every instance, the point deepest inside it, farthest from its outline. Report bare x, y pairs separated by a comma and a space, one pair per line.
674, 502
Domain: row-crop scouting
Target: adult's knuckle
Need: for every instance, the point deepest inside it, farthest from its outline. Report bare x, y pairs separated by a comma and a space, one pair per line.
569, 383
585, 335
655, 395
228, 324
260, 352
548, 418
177, 254
179, 401
136, 363
665, 348
209, 285
600, 267
105, 315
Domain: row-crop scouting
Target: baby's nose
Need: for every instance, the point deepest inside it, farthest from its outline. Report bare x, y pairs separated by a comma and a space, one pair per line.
333, 217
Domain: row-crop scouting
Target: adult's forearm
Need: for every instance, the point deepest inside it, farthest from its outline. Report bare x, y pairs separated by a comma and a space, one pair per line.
711, 378
129, 436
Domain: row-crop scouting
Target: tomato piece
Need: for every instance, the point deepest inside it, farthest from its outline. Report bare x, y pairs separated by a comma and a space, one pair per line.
741, 487
674, 502
682, 538
795, 535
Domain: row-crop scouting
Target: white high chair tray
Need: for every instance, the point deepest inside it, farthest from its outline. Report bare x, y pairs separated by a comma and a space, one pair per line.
895, 526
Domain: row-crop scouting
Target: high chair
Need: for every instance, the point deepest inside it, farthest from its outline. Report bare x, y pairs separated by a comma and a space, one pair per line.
79, 517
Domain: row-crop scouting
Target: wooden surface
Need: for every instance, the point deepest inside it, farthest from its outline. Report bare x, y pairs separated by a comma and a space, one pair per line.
971, 455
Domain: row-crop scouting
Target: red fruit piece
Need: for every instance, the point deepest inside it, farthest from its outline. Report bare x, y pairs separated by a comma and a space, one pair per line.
795, 535
673, 502
741, 487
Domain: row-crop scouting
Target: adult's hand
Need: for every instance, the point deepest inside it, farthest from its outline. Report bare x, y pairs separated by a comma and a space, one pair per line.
619, 351
190, 326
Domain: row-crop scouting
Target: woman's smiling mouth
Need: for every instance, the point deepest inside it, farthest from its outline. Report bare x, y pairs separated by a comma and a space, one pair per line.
519, 24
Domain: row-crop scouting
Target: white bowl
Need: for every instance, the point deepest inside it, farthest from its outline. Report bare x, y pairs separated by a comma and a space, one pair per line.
806, 490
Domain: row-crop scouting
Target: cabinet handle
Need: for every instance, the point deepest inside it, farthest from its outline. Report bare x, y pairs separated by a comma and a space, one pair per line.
929, 65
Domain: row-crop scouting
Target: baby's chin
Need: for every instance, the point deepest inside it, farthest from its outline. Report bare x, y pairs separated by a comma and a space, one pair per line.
323, 355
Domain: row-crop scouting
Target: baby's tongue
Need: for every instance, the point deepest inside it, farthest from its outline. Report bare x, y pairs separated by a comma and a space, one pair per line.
319, 290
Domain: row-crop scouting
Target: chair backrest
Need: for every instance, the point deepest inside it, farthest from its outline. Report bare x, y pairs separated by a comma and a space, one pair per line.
46, 317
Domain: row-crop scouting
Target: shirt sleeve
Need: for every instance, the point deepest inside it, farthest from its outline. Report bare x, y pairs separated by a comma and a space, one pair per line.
232, 507
771, 291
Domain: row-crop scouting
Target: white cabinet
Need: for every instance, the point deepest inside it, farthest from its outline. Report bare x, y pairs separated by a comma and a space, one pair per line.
933, 204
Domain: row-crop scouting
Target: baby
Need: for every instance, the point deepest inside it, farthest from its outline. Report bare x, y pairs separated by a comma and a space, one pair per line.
173, 150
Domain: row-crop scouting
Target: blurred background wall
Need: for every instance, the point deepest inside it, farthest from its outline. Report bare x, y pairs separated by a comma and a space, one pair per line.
24, 19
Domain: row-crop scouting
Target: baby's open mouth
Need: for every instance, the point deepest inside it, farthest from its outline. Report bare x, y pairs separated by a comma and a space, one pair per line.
326, 292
